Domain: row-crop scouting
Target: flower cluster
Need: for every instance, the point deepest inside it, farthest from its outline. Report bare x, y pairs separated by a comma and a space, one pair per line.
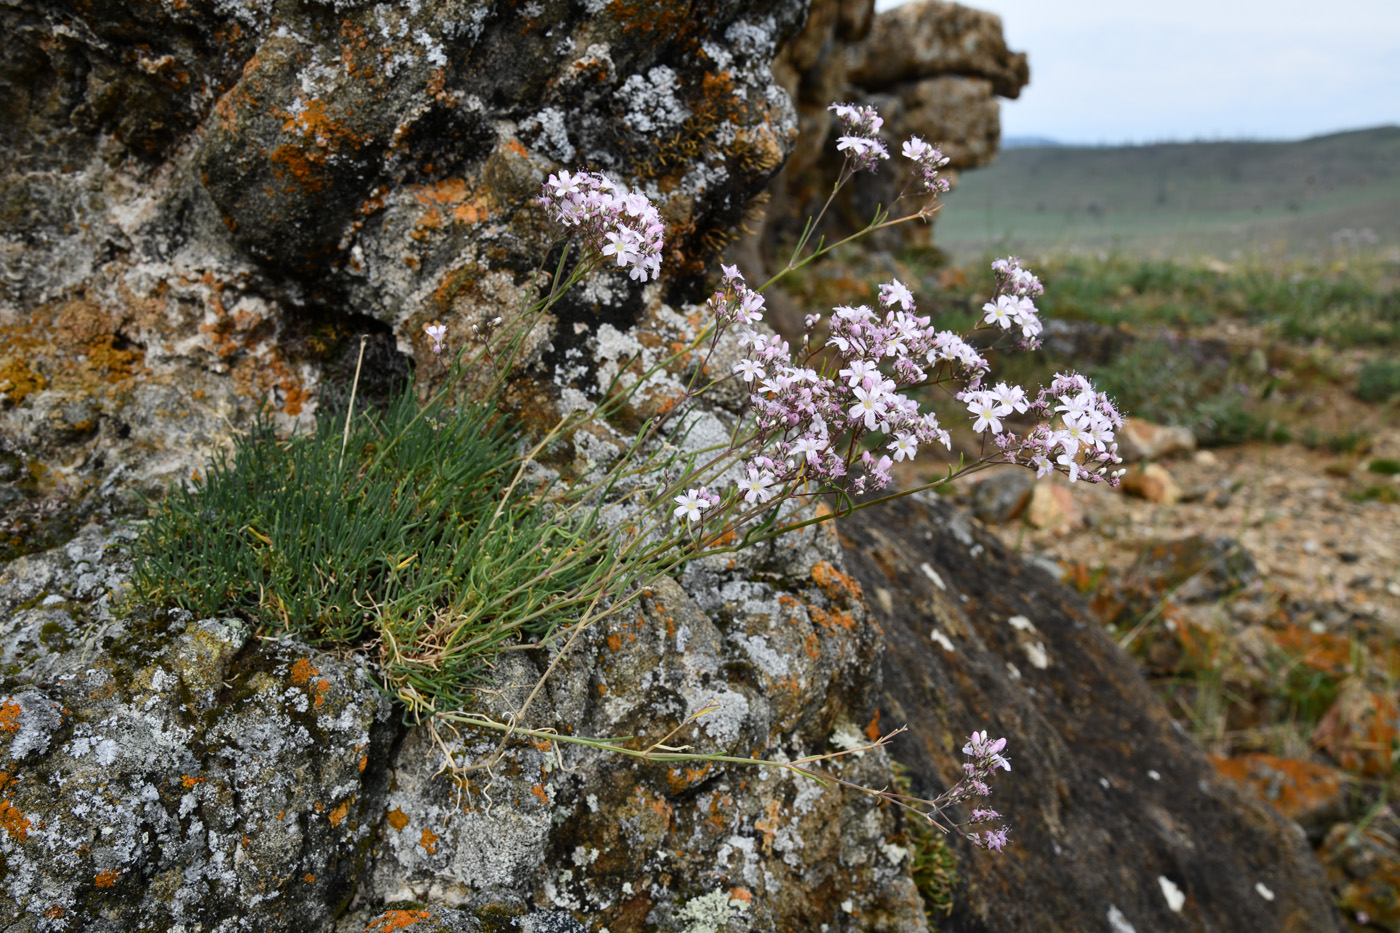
614, 222
808, 411
928, 160
860, 140
977, 775
1013, 303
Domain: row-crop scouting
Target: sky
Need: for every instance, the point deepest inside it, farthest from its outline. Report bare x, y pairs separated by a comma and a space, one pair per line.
1136, 71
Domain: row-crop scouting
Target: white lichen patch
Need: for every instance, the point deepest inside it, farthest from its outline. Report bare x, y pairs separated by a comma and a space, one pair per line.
1036, 654
758, 651
725, 721
651, 102
709, 913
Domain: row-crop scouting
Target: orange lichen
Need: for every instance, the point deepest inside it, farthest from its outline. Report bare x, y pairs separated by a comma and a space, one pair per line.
539, 791
1295, 787
190, 781
396, 920
770, 824
397, 818
1325, 652
682, 779
13, 821
364, 762
836, 585
872, 730
10, 712
742, 895
54, 912
428, 840
308, 878
105, 359
320, 691
106, 879
812, 645
339, 812
18, 381
302, 672
832, 620
5, 779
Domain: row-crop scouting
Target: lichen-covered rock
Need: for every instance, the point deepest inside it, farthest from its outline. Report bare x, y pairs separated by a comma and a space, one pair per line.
933, 69
172, 773
491, 918
203, 205
1120, 821
919, 40
784, 667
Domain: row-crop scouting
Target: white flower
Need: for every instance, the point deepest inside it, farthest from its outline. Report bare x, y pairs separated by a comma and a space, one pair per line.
870, 406
806, 447
988, 411
904, 445
749, 370
689, 504
1002, 313
756, 485
916, 149
896, 292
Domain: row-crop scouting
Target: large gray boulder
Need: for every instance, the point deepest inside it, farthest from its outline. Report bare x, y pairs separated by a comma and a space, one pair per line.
1121, 822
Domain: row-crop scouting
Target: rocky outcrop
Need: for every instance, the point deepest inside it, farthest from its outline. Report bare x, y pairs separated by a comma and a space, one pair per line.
173, 773
202, 206
933, 69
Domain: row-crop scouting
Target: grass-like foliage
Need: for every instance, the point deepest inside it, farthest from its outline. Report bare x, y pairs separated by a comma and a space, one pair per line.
416, 536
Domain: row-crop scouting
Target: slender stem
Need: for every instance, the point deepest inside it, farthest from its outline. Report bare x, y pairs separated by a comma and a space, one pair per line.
350, 409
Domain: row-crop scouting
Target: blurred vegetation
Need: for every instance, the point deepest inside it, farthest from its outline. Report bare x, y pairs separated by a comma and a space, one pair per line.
1235, 352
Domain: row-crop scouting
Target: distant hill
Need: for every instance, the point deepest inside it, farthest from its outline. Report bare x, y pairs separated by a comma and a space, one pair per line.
1183, 198
1029, 142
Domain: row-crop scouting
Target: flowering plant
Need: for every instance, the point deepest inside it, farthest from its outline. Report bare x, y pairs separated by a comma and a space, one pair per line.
827, 419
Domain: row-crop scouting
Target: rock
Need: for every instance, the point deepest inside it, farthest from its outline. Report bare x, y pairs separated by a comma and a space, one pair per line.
1052, 505
1002, 494
162, 770
1112, 805
1152, 482
627, 844
1361, 730
1143, 440
916, 40
465, 920
1311, 794
1364, 865
934, 70
1196, 570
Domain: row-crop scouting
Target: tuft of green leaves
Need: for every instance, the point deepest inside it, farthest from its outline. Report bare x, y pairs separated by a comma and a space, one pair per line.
931, 862
417, 536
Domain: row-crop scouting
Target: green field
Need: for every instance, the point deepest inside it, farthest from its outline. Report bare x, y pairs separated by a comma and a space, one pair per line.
1223, 199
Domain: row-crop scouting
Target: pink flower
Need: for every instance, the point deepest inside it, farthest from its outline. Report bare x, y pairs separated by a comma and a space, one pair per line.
436, 333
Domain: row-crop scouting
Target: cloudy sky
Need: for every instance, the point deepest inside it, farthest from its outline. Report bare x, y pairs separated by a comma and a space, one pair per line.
1116, 71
